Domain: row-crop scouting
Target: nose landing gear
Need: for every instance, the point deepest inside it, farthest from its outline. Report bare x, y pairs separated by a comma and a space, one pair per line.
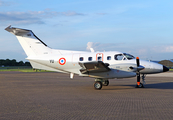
139, 84
143, 78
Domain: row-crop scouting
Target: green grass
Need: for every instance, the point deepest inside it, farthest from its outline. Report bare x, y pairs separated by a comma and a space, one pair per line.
21, 69
24, 70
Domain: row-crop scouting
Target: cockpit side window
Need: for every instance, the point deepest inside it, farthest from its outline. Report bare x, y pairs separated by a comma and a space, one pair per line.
119, 57
128, 56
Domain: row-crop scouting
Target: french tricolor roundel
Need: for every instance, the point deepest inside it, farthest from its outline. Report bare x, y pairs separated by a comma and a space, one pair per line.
62, 61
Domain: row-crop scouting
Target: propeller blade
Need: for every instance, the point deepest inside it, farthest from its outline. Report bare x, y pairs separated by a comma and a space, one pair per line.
138, 78
137, 61
139, 85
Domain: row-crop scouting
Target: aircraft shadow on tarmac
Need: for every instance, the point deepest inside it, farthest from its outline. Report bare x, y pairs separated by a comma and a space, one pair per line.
167, 85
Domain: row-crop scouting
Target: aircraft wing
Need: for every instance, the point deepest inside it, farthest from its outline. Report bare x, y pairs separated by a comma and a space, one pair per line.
94, 67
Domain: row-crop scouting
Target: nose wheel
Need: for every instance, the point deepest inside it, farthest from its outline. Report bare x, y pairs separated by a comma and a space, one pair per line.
139, 84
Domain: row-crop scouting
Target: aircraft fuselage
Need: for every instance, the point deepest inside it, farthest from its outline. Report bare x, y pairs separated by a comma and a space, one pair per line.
119, 63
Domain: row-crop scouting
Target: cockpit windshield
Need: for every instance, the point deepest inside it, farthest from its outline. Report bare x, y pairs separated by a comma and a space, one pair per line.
123, 56
128, 56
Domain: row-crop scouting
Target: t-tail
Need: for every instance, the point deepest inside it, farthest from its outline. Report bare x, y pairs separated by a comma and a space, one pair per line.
31, 44
36, 50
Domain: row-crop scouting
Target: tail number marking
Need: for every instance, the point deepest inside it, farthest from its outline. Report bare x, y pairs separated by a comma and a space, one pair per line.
62, 61
51, 61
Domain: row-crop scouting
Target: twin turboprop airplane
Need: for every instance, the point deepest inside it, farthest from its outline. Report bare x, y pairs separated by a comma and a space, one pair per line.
99, 65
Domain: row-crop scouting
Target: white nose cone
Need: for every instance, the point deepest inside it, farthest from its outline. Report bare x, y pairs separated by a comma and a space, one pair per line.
152, 67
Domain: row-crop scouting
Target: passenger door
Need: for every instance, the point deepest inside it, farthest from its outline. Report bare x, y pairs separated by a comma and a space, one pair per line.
99, 57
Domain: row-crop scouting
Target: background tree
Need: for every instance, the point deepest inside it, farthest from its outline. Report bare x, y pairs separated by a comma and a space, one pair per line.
13, 62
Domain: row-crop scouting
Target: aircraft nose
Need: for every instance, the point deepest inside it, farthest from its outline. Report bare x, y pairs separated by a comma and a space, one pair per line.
165, 68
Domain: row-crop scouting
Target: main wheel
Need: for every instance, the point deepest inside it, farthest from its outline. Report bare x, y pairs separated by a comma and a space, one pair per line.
106, 83
140, 86
98, 85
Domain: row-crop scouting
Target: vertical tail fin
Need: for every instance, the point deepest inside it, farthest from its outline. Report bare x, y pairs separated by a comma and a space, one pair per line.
31, 44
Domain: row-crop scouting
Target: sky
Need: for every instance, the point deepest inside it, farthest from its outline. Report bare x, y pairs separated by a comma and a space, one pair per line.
143, 28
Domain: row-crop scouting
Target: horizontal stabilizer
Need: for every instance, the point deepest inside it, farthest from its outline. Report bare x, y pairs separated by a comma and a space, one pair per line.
22, 32
31, 44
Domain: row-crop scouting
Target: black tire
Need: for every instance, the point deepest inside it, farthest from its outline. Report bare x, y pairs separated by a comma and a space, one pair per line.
98, 85
106, 83
140, 86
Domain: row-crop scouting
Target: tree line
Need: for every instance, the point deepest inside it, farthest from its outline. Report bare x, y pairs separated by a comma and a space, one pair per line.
13, 62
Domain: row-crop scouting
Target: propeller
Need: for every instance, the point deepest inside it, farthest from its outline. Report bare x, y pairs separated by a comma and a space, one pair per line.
138, 72
139, 67
137, 61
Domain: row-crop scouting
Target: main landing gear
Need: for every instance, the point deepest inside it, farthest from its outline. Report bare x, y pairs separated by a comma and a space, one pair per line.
104, 82
99, 83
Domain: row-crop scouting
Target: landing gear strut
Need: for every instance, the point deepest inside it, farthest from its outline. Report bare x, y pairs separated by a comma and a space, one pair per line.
139, 84
99, 83
143, 78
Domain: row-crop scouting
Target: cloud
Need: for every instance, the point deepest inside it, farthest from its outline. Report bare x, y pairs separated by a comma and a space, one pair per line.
142, 51
169, 49
23, 17
104, 46
92, 45
70, 13
33, 17
89, 45
163, 48
2, 3
5, 3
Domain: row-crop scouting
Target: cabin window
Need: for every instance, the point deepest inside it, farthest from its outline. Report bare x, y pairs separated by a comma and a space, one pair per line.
81, 59
108, 57
119, 57
89, 58
99, 58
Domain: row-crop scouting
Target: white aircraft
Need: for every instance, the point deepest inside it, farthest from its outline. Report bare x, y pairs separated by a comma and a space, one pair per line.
99, 65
